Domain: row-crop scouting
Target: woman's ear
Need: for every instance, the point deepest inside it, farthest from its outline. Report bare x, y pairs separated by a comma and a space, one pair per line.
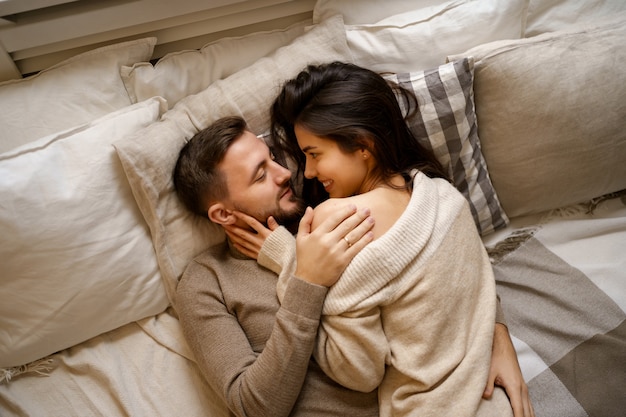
367, 144
219, 214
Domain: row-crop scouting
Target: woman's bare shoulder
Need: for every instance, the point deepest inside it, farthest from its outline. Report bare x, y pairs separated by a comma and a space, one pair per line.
327, 207
332, 204
385, 205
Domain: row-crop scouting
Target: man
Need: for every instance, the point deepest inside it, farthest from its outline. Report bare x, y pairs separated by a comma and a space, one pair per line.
254, 351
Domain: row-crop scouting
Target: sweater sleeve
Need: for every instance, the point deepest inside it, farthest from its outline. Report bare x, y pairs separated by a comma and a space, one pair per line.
500, 318
252, 383
278, 250
278, 254
352, 349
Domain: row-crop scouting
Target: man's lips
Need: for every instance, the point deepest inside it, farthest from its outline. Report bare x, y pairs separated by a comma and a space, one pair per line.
287, 193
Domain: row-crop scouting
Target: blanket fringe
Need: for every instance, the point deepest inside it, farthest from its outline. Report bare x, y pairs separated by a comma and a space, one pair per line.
593, 203
588, 207
519, 237
41, 367
509, 244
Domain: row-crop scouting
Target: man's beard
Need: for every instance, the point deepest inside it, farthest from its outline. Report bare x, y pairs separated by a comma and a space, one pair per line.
290, 218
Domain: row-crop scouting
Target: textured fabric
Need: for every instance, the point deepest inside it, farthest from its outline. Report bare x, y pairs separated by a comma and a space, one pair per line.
180, 74
446, 124
571, 342
70, 93
149, 156
253, 351
428, 274
77, 258
551, 114
121, 373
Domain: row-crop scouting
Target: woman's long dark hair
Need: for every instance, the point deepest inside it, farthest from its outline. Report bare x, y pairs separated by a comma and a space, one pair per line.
346, 103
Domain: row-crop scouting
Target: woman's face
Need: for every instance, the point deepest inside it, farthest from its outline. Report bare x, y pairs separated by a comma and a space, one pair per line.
342, 174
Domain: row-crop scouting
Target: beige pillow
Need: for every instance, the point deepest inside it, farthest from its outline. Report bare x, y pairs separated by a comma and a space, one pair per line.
180, 74
75, 91
551, 116
422, 38
149, 156
77, 258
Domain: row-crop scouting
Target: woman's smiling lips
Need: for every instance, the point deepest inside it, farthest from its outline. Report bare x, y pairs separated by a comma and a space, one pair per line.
326, 183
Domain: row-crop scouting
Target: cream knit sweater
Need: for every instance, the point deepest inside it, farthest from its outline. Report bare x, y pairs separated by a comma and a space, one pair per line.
413, 314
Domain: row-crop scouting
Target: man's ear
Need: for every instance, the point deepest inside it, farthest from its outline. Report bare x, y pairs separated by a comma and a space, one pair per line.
219, 214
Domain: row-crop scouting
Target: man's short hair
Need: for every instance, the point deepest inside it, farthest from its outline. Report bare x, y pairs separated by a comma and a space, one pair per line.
197, 178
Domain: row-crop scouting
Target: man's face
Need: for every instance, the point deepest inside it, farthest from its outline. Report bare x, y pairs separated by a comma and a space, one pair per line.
257, 184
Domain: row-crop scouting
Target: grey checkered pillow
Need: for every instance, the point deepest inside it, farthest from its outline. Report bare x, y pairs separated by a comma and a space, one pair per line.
446, 123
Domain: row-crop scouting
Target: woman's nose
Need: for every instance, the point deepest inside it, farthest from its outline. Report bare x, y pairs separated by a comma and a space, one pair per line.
309, 171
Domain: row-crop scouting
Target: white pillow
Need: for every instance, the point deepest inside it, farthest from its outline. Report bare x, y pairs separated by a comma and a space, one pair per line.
77, 256
552, 15
366, 11
180, 74
75, 91
421, 39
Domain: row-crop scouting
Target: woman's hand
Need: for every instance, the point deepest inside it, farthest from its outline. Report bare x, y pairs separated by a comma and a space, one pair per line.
246, 241
322, 254
505, 372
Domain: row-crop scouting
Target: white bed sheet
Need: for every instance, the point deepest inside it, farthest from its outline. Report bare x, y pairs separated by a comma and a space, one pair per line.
139, 369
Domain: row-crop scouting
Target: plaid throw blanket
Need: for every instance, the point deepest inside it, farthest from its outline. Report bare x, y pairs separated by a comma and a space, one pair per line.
563, 291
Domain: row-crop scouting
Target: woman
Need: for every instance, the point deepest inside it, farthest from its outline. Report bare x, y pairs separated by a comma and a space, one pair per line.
413, 313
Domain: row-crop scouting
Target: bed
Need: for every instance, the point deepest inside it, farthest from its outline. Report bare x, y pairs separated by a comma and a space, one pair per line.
522, 101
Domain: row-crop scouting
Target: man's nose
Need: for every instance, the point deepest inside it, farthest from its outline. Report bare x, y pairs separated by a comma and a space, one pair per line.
282, 174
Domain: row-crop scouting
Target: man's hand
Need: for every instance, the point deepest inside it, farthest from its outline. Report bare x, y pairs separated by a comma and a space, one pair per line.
245, 241
322, 254
505, 372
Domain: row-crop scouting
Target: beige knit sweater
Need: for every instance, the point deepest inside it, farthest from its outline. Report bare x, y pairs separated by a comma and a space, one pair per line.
413, 314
